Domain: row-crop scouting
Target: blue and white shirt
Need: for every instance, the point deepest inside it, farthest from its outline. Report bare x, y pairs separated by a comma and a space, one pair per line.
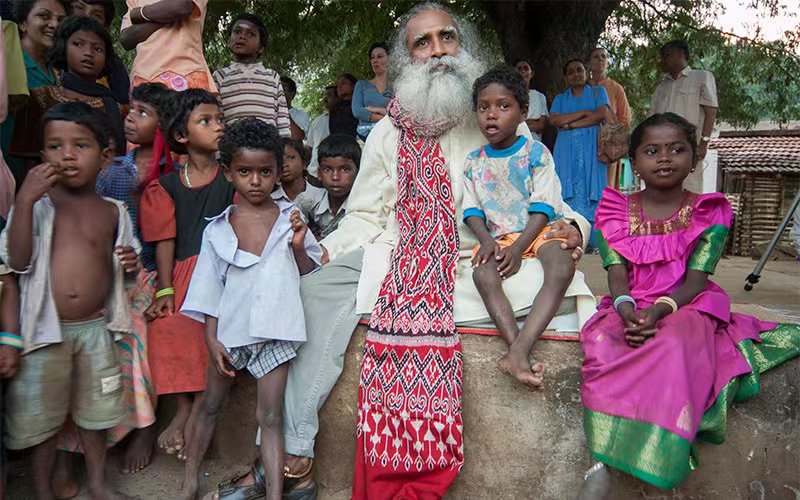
505, 186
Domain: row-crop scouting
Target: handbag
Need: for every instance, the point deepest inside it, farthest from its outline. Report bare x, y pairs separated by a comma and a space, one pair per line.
613, 140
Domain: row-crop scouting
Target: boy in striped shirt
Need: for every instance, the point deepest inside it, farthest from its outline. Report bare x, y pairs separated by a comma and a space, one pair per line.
246, 87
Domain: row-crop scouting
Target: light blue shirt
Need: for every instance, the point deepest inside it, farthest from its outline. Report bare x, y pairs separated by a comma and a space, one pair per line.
366, 94
255, 298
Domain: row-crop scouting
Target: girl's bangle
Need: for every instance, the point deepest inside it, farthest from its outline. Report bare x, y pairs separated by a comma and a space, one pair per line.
667, 301
622, 299
141, 13
164, 292
12, 340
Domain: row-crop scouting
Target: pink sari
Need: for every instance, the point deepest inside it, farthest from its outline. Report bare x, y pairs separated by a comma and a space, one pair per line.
645, 407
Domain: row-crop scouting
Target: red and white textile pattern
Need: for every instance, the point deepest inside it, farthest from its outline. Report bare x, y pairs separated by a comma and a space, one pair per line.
410, 442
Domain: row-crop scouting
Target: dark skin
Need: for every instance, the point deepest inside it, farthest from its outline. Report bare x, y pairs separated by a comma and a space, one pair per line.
204, 130
292, 180
9, 322
39, 29
575, 75
84, 235
141, 125
297, 133
534, 124
663, 159
158, 14
95, 11
337, 175
245, 42
254, 174
499, 115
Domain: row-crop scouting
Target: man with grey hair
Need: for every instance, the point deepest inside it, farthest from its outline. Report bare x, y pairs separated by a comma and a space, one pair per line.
401, 254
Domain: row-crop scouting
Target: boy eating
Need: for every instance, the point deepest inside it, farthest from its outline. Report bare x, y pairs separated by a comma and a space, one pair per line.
247, 87
72, 250
339, 157
246, 288
511, 194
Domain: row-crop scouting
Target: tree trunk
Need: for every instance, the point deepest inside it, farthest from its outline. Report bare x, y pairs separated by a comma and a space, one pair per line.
548, 33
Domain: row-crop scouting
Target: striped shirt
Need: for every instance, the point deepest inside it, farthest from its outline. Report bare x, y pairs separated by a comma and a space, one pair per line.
251, 90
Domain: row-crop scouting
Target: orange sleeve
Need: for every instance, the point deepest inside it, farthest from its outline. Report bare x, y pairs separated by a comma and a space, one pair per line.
623, 108
156, 214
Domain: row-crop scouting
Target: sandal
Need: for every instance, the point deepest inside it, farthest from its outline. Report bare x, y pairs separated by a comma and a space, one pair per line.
291, 480
228, 490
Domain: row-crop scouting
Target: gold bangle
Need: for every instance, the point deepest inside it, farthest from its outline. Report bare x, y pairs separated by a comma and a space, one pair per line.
164, 292
668, 301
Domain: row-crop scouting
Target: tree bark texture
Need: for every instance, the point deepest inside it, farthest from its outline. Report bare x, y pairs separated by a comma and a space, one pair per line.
548, 33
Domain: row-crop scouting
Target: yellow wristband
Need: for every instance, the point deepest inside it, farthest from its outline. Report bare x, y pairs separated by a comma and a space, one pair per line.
164, 292
668, 301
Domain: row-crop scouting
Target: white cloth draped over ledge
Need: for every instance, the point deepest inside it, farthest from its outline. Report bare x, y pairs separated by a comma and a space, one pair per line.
371, 223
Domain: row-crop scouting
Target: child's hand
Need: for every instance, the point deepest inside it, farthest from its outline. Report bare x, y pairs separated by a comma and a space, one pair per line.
220, 357
300, 229
160, 308
644, 328
40, 180
509, 260
128, 258
9, 361
485, 253
627, 313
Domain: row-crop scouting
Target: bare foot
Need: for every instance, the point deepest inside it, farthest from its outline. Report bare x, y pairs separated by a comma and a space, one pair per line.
596, 486
520, 368
140, 449
108, 494
63, 483
189, 490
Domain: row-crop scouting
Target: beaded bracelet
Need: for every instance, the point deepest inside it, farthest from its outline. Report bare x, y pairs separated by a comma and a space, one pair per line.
11, 340
668, 301
622, 299
164, 292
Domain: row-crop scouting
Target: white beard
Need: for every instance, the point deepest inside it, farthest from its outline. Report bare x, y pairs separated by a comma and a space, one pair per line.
433, 95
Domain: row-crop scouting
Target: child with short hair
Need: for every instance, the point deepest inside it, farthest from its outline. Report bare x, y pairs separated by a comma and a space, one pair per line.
173, 214
73, 306
339, 158
246, 288
294, 173
81, 51
246, 87
511, 194
664, 355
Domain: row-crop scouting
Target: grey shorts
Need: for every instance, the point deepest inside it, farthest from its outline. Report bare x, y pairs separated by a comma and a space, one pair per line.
80, 377
263, 357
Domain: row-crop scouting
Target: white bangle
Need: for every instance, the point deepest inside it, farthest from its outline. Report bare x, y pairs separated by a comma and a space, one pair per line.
141, 13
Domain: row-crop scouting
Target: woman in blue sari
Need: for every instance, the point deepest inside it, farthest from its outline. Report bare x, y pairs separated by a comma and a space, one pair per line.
577, 113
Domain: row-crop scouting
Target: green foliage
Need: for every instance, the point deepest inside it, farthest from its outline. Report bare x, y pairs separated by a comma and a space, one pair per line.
756, 79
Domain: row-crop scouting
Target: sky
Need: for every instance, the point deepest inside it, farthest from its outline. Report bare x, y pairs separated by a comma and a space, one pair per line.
742, 19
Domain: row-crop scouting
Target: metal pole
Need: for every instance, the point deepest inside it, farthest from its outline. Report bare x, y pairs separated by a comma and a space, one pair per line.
753, 277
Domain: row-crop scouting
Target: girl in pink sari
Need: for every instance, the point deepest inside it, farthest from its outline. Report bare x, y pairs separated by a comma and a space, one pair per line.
664, 355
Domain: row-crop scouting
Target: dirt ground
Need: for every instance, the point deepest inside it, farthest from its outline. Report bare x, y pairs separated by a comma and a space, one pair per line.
230, 451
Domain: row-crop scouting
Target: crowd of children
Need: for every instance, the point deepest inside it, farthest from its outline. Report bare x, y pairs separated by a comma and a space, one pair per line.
152, 234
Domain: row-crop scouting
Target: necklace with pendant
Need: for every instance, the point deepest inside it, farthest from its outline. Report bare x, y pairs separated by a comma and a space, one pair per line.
186, 175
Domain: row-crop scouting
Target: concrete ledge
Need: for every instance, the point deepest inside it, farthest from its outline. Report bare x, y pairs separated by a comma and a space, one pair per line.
531, 445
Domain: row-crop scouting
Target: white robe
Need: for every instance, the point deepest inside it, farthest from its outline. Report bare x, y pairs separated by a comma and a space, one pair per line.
370, 222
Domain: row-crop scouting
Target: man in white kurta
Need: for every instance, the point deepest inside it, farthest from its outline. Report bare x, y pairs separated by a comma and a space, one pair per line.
339, 293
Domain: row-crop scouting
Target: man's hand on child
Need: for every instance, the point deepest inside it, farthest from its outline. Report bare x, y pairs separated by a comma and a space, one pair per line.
128, 258
221, 356
485, 253
38, 182
300, 229
563, 229
160, 308
9, 361
509, 260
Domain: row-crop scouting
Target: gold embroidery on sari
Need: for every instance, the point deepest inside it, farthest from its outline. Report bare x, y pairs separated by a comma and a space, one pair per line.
679, 221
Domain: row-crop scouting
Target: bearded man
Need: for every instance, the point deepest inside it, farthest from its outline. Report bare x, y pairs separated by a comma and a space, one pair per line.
403, 254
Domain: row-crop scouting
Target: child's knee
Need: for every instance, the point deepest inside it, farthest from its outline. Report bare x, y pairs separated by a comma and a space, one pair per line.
211, 407
558, 265
485, 276
271, 418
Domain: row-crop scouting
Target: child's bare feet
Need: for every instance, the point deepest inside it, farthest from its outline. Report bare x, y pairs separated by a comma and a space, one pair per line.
63, 484
531, 376
107, 493
172, 438
597, 485
189, 489
140, 449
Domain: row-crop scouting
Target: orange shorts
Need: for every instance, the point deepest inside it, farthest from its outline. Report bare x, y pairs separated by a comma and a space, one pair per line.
506, 240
